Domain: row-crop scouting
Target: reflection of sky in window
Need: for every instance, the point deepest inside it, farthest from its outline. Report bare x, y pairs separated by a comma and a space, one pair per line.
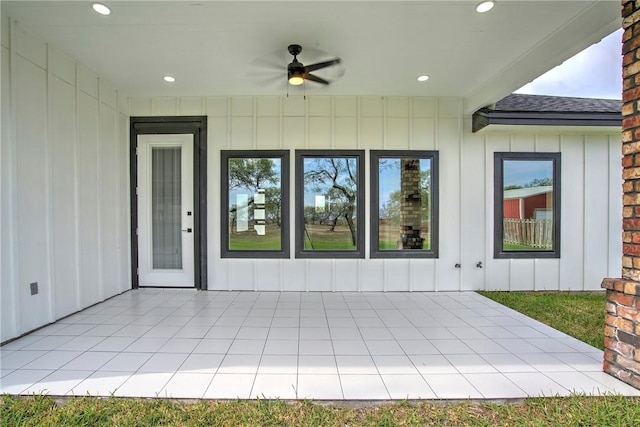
322, 188
389, 177
275, 167
522, 172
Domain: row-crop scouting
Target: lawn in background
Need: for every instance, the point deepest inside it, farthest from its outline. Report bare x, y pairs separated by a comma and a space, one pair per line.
579, 314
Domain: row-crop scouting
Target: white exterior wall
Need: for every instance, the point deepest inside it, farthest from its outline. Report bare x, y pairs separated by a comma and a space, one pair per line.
64, 185
591, 192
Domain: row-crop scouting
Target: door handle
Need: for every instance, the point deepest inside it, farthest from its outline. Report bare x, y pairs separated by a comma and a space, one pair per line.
188, 230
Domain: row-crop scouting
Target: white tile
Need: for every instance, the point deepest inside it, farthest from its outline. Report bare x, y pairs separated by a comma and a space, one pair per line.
186, 385
239, 364
320, 387
222, 332
230, 386
135, 331
81, 343
310, 364
451, 386
508, 363
317, 347
252, 333
100, 383
614, 384
314, 334
580, 362
275, 386
278, 364
17, 381
419, 346
103, 330
163, 362
192, 332
545, 362
470, 363
19, 358
48, 343
247, 347
179, 345
281, 347
435, 333
394, 365
363, 387
407, 387
579, 383
146, 384
495, 332
202, 363
257, 322
447, 347
20, 343
216, 346
465, 333
52, 360
356, 365
146, 345
350, 347
406, 334
283, 334
126, 362
58, 383
384, 347
162, 331
550, 345
89, 361
495, 386
536, 384
345, 333
432, 364
113, 344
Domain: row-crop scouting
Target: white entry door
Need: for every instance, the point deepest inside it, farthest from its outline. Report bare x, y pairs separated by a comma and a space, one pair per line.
165, 210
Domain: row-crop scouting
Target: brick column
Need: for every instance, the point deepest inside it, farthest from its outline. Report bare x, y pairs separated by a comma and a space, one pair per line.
622, 330
410, 205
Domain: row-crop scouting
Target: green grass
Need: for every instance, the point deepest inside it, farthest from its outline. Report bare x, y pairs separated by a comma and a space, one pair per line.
569, 411
251, 241
580, 315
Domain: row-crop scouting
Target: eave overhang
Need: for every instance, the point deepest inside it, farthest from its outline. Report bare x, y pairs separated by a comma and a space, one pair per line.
487, 117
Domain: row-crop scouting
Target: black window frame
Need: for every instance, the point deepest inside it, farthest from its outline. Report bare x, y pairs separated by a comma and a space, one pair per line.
300, 252
375, 252
283, 155
498, 215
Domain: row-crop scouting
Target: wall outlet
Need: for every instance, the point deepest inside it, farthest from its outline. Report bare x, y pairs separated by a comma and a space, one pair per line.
34, 288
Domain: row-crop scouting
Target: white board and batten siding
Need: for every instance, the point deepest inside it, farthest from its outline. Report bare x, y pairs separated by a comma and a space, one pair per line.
64, 210
591, 192
64, 189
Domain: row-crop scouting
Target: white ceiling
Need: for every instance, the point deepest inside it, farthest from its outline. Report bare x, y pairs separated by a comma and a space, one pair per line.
221, 47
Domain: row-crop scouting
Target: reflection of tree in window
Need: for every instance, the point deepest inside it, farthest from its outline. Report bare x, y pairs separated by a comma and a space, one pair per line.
248, 177
405, 213
330, 219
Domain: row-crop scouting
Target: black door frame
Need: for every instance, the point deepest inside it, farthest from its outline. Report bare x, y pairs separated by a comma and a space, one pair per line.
197, 126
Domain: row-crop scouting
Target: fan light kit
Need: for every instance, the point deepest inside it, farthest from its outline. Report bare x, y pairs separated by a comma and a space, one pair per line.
169, 79
298, 73
485, 6
423, 78
101, 9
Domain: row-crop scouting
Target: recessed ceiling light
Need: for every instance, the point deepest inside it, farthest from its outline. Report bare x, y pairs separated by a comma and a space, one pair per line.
101, 9
169, 79
423, 78
485, 6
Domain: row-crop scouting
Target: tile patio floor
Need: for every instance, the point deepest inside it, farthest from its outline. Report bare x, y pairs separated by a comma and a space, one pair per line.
360, 346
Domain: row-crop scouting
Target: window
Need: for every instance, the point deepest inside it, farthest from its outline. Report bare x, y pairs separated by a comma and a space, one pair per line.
404, 204
255, 194
329, 204
527, 205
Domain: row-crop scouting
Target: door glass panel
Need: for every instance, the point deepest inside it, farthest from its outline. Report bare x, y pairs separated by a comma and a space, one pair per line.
166, 207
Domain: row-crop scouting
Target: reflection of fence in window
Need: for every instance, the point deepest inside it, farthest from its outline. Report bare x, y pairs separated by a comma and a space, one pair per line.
532, 233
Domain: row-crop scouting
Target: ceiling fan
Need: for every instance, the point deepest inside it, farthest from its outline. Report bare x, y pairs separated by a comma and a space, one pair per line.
297, 72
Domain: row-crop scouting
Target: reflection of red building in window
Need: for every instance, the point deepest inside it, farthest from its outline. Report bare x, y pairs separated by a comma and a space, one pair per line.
528, 203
